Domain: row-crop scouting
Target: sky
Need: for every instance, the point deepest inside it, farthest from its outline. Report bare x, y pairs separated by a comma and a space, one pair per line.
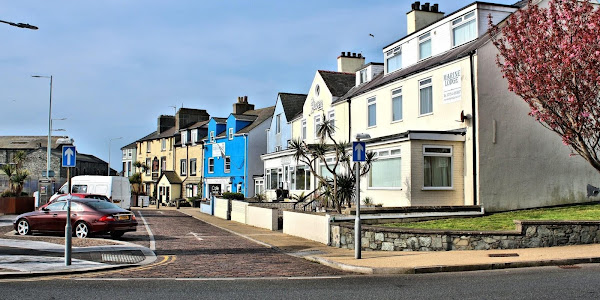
117, 65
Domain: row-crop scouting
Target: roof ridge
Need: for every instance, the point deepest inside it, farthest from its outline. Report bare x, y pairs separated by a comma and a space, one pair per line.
334, 72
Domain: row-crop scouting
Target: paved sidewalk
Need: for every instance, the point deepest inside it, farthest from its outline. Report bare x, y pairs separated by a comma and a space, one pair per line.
25, 258
386, 262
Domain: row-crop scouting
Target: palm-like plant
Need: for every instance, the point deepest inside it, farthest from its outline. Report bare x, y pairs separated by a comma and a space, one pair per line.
16, 174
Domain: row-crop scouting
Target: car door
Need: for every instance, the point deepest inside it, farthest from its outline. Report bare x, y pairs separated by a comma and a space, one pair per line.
49, 221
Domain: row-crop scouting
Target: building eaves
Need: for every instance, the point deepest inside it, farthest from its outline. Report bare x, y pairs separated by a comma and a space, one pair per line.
148, 137
338, 83
198, 124
172, 177
292, 104
220, 120
262, 115
129, 146
453, 13
242, 117
444, 58
28, 142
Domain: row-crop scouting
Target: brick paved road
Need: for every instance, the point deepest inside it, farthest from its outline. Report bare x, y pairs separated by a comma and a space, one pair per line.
211, 252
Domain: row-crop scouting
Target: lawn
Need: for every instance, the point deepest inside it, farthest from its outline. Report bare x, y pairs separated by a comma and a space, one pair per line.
504, 221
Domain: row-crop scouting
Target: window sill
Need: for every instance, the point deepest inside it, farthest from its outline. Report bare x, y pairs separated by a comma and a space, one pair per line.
426, 115
437, 189
371, 127
397, 121
384, 189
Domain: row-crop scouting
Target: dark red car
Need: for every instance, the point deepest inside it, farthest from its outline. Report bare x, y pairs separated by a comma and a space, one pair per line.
88, 217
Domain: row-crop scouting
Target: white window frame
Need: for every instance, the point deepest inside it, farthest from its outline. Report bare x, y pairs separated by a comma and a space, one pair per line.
383, 154
149, 165
450, 155
397, 51
194, 136
303, 129
363, 76
331, 116
317, 124
371, 101
184, 139
227, 169
230, 134
278, 124
397, 93
148, 146
212, 136
461, 21
211, 165
183, 166
422, 85
423, 39
193, 166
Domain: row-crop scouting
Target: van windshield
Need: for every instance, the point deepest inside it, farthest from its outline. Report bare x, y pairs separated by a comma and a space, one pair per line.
102, 205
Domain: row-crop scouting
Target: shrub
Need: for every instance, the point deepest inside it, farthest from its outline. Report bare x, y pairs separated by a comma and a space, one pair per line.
233, 196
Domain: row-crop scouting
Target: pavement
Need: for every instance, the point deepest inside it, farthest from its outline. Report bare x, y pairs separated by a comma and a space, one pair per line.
23, 258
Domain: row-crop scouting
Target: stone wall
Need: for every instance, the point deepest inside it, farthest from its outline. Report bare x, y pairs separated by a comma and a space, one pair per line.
529, 234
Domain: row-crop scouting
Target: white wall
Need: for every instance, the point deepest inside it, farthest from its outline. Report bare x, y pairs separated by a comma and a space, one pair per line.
239, 211
222, 208
312, 226
262, 217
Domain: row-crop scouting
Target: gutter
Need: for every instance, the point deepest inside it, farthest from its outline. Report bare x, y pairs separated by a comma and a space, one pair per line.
474, 125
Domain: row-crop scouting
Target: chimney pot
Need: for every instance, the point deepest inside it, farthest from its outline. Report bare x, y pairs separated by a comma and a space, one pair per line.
342, 54
416, 5
245, 99
425, 7
434, 8
359, 55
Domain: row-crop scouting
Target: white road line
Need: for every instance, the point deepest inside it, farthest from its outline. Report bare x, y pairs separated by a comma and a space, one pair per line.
152, 242
211, 279
196, 236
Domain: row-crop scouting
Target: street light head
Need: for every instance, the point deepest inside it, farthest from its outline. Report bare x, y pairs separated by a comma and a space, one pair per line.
362, 136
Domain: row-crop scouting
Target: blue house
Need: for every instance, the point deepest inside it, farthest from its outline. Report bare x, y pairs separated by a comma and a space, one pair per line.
233, 148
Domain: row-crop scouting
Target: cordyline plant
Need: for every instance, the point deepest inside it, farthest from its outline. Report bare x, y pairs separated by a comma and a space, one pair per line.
16, 174
551, 58
340, 188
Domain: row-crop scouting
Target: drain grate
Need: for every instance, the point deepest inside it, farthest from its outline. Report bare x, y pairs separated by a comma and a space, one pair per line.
121, 258
503, 255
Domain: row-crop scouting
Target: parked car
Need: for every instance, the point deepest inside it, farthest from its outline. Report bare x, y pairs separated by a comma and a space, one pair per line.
88, 217
116, 188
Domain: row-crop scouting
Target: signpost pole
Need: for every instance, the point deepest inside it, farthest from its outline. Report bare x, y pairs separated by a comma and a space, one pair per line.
359, 153
68, 229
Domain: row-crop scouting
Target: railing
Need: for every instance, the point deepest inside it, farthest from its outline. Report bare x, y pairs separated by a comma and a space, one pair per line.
305, 203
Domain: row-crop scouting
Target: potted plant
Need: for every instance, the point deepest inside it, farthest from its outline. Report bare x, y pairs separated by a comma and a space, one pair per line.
13, 200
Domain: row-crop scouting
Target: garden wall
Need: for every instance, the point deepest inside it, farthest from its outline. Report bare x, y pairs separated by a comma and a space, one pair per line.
223, 208
308, 225
529, 234
262, 217
239, 211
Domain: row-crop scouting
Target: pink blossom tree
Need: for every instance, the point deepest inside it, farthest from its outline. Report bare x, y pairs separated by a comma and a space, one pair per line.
551, 58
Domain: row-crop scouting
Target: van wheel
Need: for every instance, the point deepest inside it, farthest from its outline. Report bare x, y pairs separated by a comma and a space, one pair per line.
116, 234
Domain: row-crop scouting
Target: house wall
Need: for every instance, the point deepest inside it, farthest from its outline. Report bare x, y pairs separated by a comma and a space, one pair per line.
257, 146
156, 151
278, 139
521, 163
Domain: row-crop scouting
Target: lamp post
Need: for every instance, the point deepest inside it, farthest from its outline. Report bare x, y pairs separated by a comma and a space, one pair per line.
20, 25
109, 141
49, 126
357, 233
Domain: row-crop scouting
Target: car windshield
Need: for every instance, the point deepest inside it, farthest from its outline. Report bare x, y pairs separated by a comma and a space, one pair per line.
102, 205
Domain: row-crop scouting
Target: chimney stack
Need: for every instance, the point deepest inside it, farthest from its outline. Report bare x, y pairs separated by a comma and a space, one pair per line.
165, 122
349, 62
422, 15
188, 116
242, 106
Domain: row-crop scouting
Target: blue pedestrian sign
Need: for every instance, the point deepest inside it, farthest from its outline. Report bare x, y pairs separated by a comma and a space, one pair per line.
359, 151
68, 156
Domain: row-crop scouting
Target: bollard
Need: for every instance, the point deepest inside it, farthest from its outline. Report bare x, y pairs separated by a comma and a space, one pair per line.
177, 203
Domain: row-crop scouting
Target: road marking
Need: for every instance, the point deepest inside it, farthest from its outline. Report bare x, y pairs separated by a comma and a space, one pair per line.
196, 236
160, 212
152, 242
216, 278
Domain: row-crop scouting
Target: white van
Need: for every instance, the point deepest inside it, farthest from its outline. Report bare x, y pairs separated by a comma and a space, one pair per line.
116, 188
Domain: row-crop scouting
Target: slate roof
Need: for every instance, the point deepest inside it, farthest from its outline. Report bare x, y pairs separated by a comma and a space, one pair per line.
220, 120
338, 83
244, 117
171, 177
129, 146
257, 115
381, 79
292, 104
521, 3
150, 136
27, 142
198, 124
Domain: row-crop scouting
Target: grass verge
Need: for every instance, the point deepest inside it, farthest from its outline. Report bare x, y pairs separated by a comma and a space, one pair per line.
505, 221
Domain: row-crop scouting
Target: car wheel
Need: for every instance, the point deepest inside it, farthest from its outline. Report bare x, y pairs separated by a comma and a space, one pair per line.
116, 234
82, 230
23, 227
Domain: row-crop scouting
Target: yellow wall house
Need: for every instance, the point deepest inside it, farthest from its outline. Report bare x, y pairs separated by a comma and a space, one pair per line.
162, 152
190, 156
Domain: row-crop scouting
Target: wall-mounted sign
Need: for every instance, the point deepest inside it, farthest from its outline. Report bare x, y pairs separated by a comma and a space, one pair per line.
452, 87
218, 149
316, 105
155, 167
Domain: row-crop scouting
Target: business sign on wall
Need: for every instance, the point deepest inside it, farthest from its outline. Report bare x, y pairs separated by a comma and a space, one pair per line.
452, 88
218, 149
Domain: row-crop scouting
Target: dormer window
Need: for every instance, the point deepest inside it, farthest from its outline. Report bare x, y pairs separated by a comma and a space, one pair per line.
363, 76
425, 46
464, 29
393, 59
212, 137
231, 133
194, 136
184, 139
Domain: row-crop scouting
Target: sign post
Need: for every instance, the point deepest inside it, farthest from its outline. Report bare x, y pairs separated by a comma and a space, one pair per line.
358, 155
69, 160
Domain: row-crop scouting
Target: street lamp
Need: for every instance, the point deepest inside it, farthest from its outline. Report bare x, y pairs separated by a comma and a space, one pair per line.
49, 126
21, 25
357, 242
109, 141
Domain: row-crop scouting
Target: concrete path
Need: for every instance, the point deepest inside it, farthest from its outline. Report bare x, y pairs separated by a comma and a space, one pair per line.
387, 262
